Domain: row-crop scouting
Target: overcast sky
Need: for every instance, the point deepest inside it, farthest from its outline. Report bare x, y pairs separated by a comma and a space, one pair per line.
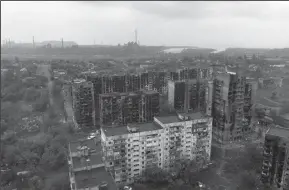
203, 24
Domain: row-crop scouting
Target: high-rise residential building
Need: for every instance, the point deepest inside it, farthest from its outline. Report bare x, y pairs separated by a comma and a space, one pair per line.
249, 99
131, 107
106, 84
97, 89
190, 95
174, 76
118, 83
83, 103
275, 168
124, 83
176, 94
232, 102
133, 82
67, 100
144, 81
129, 150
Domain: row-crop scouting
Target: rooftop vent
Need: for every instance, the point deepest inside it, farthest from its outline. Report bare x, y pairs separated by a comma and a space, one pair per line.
103, 185
183, 117
132, 129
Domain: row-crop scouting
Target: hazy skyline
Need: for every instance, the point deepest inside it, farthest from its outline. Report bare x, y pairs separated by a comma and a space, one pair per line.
203, 24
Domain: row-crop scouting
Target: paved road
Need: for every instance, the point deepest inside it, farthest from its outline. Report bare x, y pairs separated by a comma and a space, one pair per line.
44, 70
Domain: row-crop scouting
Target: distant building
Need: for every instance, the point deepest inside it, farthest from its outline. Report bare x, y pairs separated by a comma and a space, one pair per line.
275, 169
129, 150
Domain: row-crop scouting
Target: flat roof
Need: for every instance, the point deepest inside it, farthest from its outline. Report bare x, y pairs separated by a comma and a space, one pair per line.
168, 119
121, 130
89, 143
94, 177
95, 159
279, 131
128, 93
175, 118
119, 94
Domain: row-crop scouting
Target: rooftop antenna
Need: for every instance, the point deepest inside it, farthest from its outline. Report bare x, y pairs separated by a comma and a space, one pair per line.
33, 42
62, 42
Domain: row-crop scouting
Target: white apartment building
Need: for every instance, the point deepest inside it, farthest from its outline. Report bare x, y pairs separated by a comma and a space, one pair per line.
129, 150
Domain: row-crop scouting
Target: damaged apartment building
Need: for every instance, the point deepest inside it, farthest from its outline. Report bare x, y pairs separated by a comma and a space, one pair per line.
233, 97
190, 95
191, 73
131, 107
86, 168
129, 150
83, 103
275, 168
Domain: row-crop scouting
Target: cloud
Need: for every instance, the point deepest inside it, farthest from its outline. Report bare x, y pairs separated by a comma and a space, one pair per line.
204, 10
206, 24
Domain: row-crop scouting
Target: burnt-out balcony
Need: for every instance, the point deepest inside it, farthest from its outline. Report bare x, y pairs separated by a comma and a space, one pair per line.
267, 163
267, 153
265, 173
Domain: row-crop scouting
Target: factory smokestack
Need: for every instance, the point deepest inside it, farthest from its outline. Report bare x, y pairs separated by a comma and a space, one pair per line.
33, 42
136, 41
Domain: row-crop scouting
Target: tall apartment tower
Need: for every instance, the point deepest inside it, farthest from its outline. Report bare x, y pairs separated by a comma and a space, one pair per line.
67, 97
130, 107
150, 106
133, 82
275, 168
190, 95
144, 81
249, 99
83, 103
232, 101
97, 89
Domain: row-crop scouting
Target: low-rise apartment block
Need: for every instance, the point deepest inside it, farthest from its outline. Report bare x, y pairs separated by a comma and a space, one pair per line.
86, 169
129, 150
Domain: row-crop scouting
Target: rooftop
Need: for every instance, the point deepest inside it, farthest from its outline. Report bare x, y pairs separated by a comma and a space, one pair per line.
175, 118
89, 143
168, 119
95, 159
279, 131
121, 130
94, 177
119, 94
128, 93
